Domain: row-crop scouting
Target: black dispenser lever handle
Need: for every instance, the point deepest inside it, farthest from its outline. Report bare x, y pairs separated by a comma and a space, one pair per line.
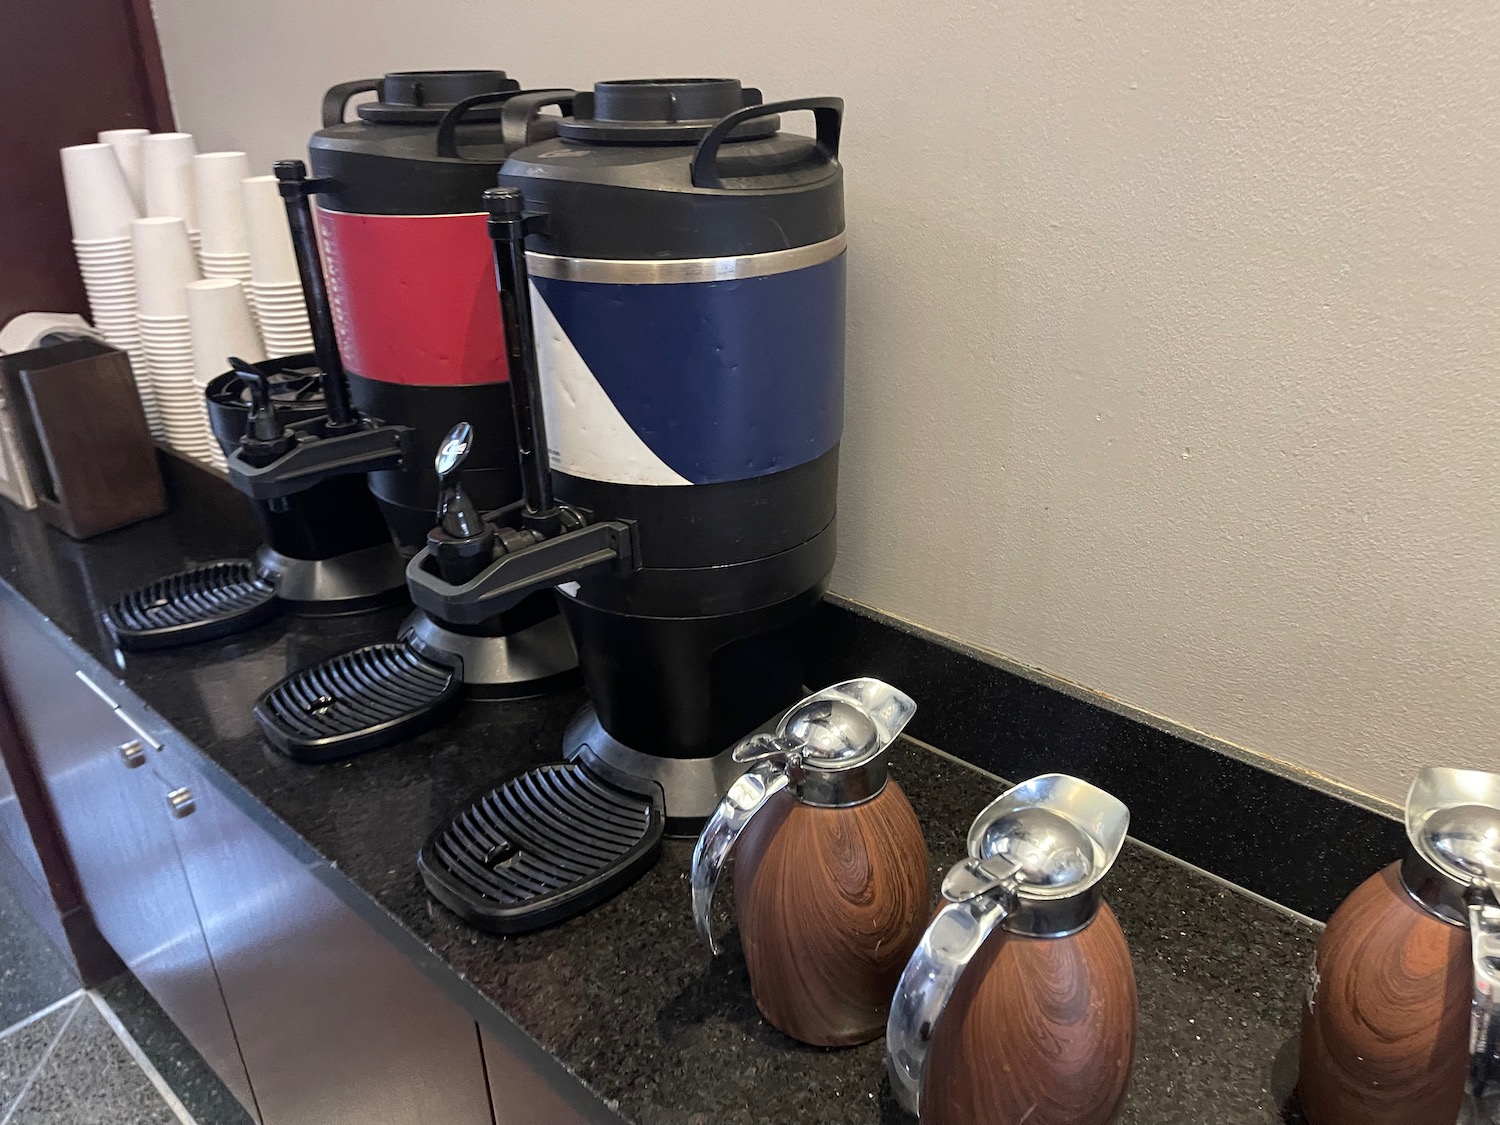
555, 544
297, 191
508, 229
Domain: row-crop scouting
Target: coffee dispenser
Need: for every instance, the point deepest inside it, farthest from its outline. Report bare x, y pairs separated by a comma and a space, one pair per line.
674, 264
406, 309
1019, 1003
1402, 1024
830, 883
326, 551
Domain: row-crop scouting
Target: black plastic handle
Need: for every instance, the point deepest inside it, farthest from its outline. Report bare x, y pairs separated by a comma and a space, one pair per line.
521, 118
518, 122
336, 101
828, 116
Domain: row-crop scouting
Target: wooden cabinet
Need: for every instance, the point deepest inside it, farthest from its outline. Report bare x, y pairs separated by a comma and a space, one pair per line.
114, 816
336, 1026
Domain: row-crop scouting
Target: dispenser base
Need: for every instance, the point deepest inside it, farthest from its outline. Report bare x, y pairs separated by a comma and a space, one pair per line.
532, 661
689, 788
349, 583
544, 846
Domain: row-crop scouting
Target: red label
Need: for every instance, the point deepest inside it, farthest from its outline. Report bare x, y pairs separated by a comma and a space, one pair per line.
414, 298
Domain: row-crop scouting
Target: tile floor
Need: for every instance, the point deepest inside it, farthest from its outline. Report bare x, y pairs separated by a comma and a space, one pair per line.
108, 1056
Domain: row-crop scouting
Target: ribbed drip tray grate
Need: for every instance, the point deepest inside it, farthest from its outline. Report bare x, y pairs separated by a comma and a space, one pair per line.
356, 701
546, 845
202, 604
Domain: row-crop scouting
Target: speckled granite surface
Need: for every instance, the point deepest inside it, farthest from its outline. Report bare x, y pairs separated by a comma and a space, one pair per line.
624, 997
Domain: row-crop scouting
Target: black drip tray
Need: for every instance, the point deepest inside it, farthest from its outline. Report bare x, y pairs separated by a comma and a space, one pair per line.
357, 701
211, 601
546, 845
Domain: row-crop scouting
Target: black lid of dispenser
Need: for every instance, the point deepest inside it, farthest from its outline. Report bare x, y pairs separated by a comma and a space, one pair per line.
430, 144
674, 168
417, 97
666, 111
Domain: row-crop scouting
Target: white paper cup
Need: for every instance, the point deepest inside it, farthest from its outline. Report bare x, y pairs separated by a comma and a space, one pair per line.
272, 259
221, 326
167, 160
103, 249
221, 210
127, 146
164, 263
99, 202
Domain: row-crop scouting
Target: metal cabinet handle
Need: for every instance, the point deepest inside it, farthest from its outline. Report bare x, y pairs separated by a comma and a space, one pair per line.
181, 802
141, 732
133, 753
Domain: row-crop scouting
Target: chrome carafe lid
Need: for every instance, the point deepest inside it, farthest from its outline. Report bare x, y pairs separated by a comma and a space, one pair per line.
832, 745
1036, 859
829, 750
1453, 839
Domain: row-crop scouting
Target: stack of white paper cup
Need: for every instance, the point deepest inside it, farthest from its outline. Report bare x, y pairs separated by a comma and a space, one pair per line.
164, 266
101, 211
167, 171
129, 151
221, 213
219, 316
275, 286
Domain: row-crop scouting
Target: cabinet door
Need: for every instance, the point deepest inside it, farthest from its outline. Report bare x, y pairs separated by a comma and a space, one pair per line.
337, 1027
522, 1096
116, 822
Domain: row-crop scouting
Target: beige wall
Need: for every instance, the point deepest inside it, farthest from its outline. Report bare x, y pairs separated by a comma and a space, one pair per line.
1174, 362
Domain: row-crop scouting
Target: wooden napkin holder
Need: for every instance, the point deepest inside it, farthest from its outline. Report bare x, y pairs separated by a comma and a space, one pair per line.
84, 436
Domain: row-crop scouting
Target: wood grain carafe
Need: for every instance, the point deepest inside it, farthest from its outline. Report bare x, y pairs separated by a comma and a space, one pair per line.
1385, 1036
1040, 1030
830, 903
1019, 1004
831, 879
1401, 1025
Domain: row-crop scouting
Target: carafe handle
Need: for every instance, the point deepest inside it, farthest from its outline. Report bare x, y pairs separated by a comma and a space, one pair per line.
747, 796
928, 981
1482, 1091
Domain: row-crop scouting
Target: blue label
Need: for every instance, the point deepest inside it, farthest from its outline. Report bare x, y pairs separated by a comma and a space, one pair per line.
692, 383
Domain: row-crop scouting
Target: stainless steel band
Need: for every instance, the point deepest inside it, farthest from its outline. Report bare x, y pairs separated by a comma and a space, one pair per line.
839, 789
676, 271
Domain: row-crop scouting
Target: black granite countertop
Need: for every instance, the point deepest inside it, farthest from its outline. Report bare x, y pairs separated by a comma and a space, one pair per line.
624, 997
